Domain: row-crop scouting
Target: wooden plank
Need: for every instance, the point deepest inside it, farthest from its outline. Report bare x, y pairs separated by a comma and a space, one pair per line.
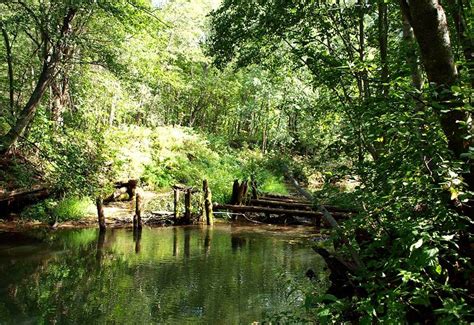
259, 209
284, 204
284, 199
298, 205
282, 196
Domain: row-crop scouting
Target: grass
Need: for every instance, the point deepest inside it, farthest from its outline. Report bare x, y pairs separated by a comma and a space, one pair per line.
274, 184
70, 208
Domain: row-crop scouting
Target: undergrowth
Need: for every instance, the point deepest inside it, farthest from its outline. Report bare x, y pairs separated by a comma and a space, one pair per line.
69, 208
159, 158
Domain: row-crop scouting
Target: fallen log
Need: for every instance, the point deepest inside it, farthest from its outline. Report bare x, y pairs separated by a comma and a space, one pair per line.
298, 205
162, 213
273, 203
18, 199
282, 196
259, 209
12, 195
283, 199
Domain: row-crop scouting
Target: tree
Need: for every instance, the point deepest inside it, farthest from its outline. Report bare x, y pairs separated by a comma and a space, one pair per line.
57, 31
430, 26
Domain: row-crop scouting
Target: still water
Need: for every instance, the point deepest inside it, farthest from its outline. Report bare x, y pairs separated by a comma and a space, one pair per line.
219, 275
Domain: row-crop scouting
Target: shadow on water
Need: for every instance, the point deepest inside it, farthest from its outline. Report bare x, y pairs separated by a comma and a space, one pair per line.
222, 275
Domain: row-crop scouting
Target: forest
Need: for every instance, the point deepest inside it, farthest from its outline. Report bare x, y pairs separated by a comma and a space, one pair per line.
355, 112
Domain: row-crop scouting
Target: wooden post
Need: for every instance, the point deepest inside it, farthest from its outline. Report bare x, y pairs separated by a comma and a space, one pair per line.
137, 237
131, 188
187, 206
254, 188
242, 192
176, 202
235, 192
137, 219
100, 213
207, 203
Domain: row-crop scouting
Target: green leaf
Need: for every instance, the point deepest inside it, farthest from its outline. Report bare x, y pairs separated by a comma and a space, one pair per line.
416, 245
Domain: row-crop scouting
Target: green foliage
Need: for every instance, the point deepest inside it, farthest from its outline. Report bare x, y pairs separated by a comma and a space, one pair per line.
18, 172
69, 208
330, 194
273, 184
183, 156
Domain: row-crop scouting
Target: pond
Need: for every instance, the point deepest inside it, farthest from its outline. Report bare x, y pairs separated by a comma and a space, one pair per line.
220, 275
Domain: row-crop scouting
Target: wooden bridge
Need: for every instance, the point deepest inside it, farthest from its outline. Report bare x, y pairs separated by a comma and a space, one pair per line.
277, 205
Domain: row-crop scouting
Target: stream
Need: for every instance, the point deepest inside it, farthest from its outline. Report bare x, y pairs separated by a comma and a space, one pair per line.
221, 275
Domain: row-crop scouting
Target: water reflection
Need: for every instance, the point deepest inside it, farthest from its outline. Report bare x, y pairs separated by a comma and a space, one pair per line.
187, 238
237, 242
100, 244
175, 241
207, 241
137, 237
223, 276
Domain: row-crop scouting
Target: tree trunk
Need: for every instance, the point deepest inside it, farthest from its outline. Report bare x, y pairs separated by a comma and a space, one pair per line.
100, 214
11, 88
50, 62
462, 30
383, 46
254, 188
175, 203
363, 74
59, 90
428, 19
28, 112
137, 219
187, 207
207, 203
411, 55
235, 192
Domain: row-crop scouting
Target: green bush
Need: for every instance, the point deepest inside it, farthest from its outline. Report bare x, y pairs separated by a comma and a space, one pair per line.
70, 208
183, 156
274, 184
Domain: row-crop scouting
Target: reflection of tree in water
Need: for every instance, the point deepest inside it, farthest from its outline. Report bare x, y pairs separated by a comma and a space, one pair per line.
137, 238
175, 241
207, 242
152, 286
187, 239
100, 245
237, 242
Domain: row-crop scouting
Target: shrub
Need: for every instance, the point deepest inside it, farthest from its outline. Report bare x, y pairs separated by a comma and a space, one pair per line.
70, 208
